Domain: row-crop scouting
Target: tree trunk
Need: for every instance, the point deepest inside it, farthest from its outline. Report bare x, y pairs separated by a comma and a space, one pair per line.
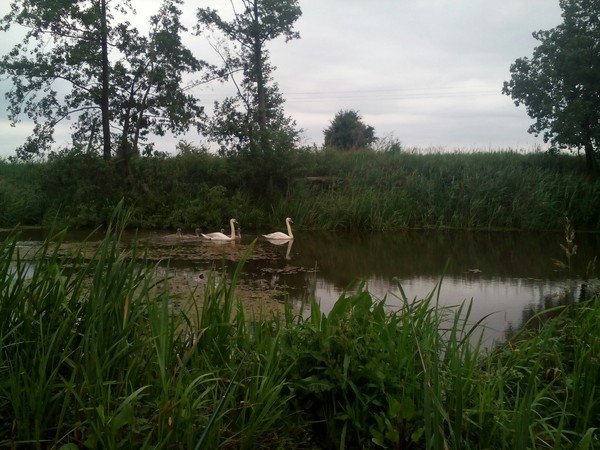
105, 85
260, 85
590, 157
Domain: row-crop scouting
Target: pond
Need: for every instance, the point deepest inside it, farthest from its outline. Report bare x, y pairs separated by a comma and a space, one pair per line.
507, 275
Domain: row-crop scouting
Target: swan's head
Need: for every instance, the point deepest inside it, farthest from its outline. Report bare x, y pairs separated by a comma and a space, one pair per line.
289, 220
233, 221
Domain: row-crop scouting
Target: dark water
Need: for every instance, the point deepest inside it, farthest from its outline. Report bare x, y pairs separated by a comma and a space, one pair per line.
507, 275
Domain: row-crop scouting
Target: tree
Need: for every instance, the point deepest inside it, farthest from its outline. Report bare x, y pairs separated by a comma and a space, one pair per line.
252, 118
70, 46
560, 84
75, 60
348, 132
147, 95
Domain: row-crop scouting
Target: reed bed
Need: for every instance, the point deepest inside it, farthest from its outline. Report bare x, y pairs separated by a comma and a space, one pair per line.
494, 190
93, 356
387, 190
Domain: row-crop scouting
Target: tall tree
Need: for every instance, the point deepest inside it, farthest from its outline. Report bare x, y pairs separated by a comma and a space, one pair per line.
66, 43
347, 131
147, 94
75, 60
257, 104
560, 84
104, 78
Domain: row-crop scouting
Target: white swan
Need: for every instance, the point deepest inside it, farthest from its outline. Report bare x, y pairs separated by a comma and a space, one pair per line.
218, 236
196, 235
278, 235
177, 235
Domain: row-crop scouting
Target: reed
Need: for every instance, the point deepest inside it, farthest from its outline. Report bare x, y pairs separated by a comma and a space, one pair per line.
392, 190
386, 190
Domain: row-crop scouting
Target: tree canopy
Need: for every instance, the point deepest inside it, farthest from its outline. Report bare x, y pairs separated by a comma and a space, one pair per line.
347, 131
252, 121
77, 60
560, 84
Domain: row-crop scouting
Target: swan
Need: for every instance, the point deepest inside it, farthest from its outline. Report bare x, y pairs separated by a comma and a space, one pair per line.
219, 236
278, 235
177, 235
196, 235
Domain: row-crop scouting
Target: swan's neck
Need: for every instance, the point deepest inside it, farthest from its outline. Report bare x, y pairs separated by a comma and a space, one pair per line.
289, 227
232, 230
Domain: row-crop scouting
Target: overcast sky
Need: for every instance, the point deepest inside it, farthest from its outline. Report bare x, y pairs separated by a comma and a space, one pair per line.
428, 73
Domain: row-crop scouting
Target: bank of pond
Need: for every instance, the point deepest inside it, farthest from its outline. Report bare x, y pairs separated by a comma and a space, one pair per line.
93, 355
320, 189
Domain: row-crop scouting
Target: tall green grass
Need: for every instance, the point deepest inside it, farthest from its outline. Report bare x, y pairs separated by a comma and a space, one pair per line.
93, 356
499, 190
89, 357
374, 191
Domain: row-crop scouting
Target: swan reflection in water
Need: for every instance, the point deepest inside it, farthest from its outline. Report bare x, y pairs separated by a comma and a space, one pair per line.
289, 243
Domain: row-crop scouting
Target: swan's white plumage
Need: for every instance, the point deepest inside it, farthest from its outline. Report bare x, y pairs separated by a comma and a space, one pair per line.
177, 235
192, 236
218, 236
278, 235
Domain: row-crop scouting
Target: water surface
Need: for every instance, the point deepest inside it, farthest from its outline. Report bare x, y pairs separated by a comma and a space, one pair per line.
507, 275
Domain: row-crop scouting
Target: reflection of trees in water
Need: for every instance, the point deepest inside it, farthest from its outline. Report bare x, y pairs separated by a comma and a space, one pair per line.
551, 305
342, 258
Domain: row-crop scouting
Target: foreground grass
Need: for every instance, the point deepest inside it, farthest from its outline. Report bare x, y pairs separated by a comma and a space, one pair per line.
89, 358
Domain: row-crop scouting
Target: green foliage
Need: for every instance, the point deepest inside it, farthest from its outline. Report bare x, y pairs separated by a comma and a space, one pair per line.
82, 189
147, 92
22, 200
558, 84
252, 124
394, 190
348, 132
328, 190
93, 356
348, 366
138, 89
